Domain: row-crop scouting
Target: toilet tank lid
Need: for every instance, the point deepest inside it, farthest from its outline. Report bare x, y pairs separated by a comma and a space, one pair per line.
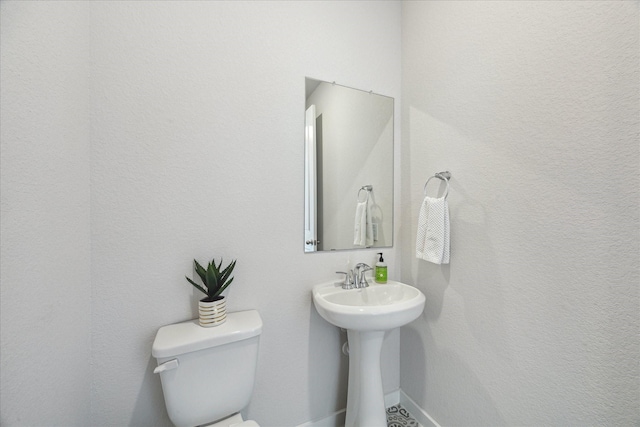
186, 337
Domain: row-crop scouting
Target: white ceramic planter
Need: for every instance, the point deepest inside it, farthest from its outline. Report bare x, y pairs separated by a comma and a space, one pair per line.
212, 313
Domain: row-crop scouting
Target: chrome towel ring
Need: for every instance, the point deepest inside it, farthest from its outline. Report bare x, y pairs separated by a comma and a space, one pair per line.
366, 188
444, 176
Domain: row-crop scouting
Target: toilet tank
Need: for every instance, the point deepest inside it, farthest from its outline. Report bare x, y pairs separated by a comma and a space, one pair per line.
208, 374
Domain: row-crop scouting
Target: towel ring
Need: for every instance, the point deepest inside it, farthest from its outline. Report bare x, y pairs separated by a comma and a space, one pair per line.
444, 176
366, 188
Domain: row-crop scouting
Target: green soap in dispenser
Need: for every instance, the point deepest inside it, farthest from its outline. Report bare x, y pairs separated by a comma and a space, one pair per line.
381, 270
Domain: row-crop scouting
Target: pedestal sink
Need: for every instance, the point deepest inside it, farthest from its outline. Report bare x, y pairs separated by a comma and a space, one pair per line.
366, 314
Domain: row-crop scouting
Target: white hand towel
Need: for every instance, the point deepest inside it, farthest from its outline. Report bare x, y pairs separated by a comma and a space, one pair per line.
360, 225
363, 227
432, 240
369, 228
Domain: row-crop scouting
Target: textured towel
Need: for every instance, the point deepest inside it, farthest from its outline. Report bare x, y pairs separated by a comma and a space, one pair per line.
432, 240
363, 227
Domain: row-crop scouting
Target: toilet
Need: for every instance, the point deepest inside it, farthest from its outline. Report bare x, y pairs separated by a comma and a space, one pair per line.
208, 374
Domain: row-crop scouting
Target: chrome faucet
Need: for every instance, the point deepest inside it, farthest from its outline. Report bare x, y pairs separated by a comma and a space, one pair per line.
359, 279
355, 279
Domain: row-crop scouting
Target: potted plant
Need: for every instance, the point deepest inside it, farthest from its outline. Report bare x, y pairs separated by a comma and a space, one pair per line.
212, 308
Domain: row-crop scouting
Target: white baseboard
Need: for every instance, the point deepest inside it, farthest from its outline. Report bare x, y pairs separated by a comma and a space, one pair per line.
334, 420
421, 416
390, 399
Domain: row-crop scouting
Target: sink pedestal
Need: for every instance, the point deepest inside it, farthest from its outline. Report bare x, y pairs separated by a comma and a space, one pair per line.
365, 398
367, 313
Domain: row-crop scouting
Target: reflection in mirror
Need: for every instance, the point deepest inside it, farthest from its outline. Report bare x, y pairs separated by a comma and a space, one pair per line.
348, 168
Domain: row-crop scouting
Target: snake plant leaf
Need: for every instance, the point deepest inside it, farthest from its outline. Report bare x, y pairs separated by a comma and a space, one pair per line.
201, 272
200, 288
212, 279
227, 272
224, 287
216, 268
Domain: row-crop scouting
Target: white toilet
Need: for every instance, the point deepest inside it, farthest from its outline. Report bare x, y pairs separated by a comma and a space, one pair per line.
208, 373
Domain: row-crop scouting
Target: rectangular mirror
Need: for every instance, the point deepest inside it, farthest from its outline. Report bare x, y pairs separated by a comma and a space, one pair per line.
348, 168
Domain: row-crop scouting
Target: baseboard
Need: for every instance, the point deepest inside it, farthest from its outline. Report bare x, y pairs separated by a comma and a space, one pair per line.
390, 399
337, 418
418, 413
334, 420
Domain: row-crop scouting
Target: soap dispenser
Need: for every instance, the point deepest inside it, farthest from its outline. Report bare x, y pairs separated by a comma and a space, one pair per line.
381, 270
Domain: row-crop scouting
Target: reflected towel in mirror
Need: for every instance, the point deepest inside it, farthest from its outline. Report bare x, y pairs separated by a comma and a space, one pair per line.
363, 227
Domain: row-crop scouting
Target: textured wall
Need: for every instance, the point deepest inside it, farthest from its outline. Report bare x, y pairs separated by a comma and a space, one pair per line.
197, 124
45, 280
533, 106
137, 136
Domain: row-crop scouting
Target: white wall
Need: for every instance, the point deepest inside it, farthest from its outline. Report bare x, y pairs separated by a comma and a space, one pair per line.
196, 115
197, 119
45, 278
533, 106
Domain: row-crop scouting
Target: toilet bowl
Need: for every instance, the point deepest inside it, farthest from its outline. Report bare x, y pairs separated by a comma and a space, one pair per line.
208, 374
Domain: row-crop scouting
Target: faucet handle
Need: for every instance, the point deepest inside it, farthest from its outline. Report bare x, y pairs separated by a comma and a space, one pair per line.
362, 279
347, 283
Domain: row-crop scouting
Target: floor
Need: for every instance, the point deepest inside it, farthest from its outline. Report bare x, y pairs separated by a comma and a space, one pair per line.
397, 416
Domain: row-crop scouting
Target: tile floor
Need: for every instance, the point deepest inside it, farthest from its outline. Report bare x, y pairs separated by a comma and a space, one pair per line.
397, 416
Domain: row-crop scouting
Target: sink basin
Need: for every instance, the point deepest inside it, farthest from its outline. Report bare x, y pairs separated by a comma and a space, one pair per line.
379, 307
